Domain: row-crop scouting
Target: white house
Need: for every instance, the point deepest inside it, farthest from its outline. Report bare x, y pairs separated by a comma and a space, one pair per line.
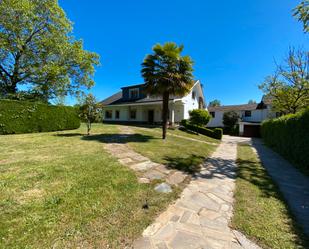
250, 116
132, 104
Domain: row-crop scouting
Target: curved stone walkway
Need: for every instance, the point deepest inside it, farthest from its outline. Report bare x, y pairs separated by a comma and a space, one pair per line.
200, 217
145, 169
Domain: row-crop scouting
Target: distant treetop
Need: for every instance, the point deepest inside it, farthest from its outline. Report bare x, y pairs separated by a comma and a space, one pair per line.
214, 103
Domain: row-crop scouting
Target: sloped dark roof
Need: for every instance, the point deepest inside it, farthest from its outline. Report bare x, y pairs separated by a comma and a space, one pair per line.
244, 107
117, 98
111, 99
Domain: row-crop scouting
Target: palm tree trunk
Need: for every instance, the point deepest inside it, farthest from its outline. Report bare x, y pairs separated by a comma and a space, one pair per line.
165, 113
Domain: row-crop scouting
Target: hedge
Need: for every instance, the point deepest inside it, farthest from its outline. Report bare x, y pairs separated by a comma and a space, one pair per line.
289, 136
27, 117
215, 133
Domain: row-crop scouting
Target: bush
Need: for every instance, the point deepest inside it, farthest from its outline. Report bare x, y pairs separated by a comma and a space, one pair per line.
215, 133
289, 136
27, 117
199, 117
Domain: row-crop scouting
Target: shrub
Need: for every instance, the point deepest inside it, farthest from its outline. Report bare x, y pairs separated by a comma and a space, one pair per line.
215, 133
27, 117
199, 117
289, 136
230, 120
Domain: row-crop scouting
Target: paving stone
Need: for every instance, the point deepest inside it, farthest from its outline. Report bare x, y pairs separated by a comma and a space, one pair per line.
185, 217
175, 218
213, 224
245, 243
142, 243
203, 201
215, 198
152, 229
176, 178
165, 233
161, 245
163, 188
154, 174
162, 168
209, 214
125, 160
217, 243
143, 180
190, 228
199, 218
143, 166
184, 240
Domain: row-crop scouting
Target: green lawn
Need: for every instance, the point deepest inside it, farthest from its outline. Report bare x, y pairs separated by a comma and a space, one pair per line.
259, 211
176, 152
186, 134
62, 190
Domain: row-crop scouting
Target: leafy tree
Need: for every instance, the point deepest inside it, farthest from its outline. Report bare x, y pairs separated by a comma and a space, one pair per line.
199, 117
38, 51
214, 103
166, 72
251, 101
288, 87
230, 120
301, 12
90, 111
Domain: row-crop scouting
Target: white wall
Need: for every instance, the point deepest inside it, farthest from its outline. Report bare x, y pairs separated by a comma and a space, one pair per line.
190, 103
256, 116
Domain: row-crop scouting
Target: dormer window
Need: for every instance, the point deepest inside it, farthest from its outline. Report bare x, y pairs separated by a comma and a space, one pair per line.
134, 93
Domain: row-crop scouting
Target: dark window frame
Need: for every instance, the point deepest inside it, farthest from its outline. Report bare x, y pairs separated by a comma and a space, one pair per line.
213, 114
248, 113
193, 95
108, 114
134, 116
117, 114
136, 93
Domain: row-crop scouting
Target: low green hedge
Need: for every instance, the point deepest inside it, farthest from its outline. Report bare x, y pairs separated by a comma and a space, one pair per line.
215, 133
27, 117
289, 136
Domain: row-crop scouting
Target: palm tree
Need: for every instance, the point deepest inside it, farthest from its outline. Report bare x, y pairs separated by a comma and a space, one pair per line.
167, 73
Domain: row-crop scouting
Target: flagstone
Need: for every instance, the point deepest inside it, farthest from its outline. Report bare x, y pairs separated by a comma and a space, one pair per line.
200, 217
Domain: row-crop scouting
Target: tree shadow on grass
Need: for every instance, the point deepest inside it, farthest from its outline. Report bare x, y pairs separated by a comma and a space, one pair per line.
250, 171
68, 134
119, 138
190, 164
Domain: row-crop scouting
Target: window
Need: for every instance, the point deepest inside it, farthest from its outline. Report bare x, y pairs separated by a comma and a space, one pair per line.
193, 95
117, 114
108, 114
247, 113
133, 114
134, 93
213, 114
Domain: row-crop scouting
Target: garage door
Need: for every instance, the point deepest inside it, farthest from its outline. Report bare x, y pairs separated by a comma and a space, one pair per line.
252, 131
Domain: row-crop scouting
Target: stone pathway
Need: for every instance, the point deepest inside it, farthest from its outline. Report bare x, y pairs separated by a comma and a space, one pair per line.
200, 217
146, 169
293, 184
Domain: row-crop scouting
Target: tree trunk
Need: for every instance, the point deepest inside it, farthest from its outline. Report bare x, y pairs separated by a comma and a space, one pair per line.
88, 127
165, 114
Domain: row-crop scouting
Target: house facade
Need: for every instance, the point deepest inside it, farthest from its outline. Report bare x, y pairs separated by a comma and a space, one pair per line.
250, 116
133, 105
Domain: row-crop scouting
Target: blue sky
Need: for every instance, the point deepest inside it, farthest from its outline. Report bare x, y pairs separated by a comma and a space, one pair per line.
233, 43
